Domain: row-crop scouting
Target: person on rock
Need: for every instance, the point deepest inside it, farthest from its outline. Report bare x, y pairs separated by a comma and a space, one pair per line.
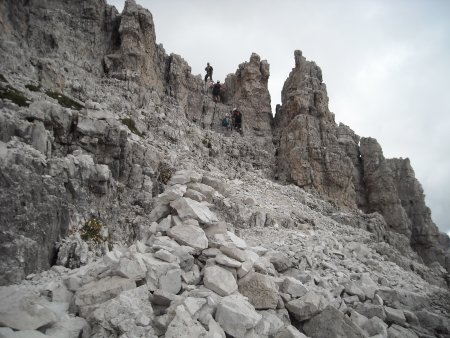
216, 91
237, 118
209, 71
226, 121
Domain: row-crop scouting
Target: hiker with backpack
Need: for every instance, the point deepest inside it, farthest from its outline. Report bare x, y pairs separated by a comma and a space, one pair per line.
226, 121
216, 91
237, 120
209, 71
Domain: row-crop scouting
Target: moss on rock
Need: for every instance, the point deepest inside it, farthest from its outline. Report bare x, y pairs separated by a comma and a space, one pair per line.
12, 94
132, 126
64, 101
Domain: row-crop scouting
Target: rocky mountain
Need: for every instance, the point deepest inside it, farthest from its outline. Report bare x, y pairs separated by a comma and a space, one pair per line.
127, 210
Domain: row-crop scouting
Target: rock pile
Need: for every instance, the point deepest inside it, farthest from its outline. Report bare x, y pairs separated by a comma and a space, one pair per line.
189, 275
127, 211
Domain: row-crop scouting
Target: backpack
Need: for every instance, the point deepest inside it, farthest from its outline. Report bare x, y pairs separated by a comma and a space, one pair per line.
225, 122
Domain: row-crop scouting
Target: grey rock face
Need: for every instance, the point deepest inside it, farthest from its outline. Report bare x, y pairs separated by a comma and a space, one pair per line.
332, 323
316, 154
247, 89
23, 310
110, 145
309, 153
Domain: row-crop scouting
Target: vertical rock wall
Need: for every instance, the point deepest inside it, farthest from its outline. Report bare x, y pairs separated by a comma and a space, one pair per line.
247, 90
318, 155
309, 152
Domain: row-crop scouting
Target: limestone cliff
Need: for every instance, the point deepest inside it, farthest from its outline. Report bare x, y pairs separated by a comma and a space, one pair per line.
95, 117
316, 154
309, 153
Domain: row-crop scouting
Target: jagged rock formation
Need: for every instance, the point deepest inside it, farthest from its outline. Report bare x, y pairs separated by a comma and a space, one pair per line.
318, 155
309, 153
95, 123
247, 89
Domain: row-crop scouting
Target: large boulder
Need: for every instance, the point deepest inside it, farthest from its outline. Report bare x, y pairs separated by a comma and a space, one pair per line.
190, 235
182, 325
219, 280
260, 290
307, 306
188, 208
90, 295
23, 309
332, 323
236, 316
129, 313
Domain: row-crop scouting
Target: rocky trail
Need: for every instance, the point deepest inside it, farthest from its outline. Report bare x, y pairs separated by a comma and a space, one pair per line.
127, 210
190, 275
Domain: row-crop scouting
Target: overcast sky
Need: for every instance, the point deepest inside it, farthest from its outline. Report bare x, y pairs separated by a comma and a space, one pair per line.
386, 65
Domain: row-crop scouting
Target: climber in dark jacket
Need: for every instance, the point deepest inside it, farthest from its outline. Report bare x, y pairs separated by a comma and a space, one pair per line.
216, 91
209, 71
237, 119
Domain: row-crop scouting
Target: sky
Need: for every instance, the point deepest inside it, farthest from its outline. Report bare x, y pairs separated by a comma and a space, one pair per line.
386, 65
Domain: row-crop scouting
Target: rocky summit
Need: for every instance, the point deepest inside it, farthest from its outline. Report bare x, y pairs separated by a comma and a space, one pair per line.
128, 210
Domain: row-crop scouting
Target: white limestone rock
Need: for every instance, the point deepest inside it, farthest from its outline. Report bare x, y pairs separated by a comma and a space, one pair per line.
290, 332
293, 287
397, 331
234, 252
162, 275
129, 313
269, 325
236, 316
332, 323
219, 280
305, 307
23, 309
395, 316
90, 295
227, 261
189, 235
188, 208
260, 290
166, 256
71, 327
171, 194
367, 285
133, 269
183, 325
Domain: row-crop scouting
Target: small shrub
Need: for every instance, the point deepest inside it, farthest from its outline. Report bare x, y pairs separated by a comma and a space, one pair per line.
165, 173
64, 101
206, 143
33, 88
91, 230
2, 78
132, 126
14, 95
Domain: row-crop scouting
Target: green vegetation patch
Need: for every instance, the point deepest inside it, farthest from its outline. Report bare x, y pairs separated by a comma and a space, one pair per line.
33, 88
9, 93
2, 78
92, 231
206, 143
64, 101
132, 126
165, 173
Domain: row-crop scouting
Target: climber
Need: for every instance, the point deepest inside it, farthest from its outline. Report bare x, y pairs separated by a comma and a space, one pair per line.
216, 91
209, 71
226, 121
237, 120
